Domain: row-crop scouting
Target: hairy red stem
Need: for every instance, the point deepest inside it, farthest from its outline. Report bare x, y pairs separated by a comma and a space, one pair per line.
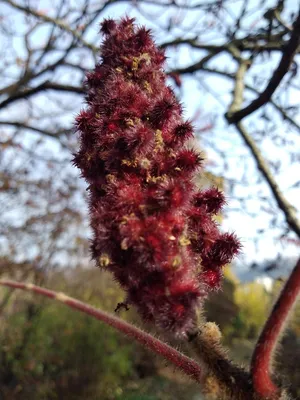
263, 354
184, 363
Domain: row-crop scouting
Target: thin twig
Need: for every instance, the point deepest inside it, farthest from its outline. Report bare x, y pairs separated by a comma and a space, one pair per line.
201, 66
264, 351
283, 204
243, 44
55, 21
22, 125
238, 92
282, 69
25, 94
184, 363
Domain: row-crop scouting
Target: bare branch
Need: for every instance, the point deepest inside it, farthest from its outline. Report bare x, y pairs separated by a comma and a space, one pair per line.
238, 93
22, 125
283, 204
29, 74
25, 94
201, 66
244, 44
282, 69
58, 22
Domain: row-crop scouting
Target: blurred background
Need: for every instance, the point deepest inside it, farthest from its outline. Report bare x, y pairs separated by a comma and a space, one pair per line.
50, 352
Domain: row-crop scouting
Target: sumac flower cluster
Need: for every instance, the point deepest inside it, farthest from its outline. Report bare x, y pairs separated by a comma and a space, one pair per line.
152, 227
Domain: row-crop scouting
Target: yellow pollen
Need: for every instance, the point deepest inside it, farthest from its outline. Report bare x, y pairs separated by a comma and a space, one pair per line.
129, 122
124, 244
159, 141
147, 86
135, 64
171, 153
176, 262
184, 241
111, 178
146, 57
129, 163
158, 137
145, 163
194, 236
104, 260
142, 207
155, 179
136, 60
125, 219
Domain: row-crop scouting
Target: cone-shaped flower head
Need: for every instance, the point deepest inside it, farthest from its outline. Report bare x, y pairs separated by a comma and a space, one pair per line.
152, 228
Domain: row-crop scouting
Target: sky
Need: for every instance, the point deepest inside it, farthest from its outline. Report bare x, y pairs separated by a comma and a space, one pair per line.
224, 137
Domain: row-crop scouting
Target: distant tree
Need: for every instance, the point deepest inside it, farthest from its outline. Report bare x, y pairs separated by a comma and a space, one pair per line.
226, 59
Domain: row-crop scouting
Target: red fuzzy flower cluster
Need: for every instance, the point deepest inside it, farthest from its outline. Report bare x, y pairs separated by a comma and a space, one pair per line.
153, 229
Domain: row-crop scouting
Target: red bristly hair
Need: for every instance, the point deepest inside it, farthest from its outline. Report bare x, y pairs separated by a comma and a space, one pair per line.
152, 228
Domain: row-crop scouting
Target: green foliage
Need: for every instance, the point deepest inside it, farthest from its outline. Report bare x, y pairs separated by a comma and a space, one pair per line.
138, 397
254, 303
250, 304
48, 351
61, 353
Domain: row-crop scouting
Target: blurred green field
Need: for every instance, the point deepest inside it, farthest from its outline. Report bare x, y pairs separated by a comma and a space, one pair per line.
49, 351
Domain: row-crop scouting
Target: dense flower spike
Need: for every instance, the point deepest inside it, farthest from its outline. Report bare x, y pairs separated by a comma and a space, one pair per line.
152, 227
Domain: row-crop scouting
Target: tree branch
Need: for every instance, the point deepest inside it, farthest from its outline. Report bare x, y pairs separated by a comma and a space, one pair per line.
22, 125
283, 113
282, 69
44, 86
55, 21
238, 92
244, 44
264, 351
200, 66
283, 204
29, 74
184, 363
